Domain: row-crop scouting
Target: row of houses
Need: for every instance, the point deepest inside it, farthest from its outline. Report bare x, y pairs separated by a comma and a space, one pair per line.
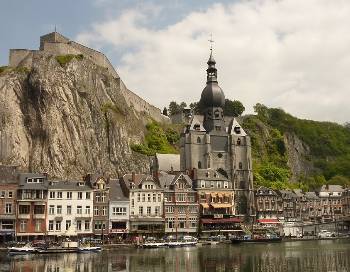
33, 206
329, 203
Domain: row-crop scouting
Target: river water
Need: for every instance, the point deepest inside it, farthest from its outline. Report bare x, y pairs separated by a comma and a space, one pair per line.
326, 255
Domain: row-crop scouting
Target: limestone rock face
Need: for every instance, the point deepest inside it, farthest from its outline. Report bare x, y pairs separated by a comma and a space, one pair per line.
298, 156
68, 121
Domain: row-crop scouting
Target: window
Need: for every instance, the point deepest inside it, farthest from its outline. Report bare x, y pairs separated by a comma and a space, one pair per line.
52, 195
218, 184
39, 209
9, 194
169, 209
239, 141
154, 198
79, 210
80, 195
148, 211
237, 130
217, 128
39, 194
52, 209
23, 226
51, 225
78, 225
199, 165
143, 198
87, 195
225, 184
181, 209
95, 210
87, 210
58, 225
59, 195
140, 210
103, 197
97, 196
68, 224
24, 209
8, 208
132, 203
2, 194
97, 225
198, 140
212, 184
240, 165
157, 210
69, 195
69, 209
38, 224
181, 197
59, 209
159, 198
202, 183
119, 210
104, 210
87, 225
149, 197
138, 197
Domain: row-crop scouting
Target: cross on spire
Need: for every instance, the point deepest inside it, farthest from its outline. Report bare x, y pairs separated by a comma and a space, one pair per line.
211, 42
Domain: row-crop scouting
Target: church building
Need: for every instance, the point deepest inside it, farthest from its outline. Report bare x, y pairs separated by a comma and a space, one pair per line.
217, 143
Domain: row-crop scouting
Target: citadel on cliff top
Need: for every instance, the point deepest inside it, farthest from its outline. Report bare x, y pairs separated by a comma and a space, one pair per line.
56, 44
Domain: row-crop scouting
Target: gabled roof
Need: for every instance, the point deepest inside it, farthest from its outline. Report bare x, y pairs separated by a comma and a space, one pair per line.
197, 120
115, 192
311, 195
233, 128
69, 185
265, 191
331, 188
166, 180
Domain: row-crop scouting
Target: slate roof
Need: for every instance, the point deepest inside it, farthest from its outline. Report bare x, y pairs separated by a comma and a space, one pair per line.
24, 185
166, 179
115, 192
331, 188
311, 195
69, 185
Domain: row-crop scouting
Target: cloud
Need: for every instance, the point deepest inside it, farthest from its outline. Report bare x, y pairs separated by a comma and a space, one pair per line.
293, 54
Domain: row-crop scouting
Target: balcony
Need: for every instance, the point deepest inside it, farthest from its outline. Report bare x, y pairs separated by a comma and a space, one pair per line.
23, 216
39, 216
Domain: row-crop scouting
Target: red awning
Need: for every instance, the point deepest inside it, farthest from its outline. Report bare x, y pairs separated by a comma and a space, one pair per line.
220, 221
269, 221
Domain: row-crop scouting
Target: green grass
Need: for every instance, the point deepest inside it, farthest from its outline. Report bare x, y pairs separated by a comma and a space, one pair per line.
64, 59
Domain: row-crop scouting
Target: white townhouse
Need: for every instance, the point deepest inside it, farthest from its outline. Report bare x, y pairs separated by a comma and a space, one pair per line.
70, 208
118, 210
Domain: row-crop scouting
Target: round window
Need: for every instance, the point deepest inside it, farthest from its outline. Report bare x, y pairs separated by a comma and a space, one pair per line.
220, 155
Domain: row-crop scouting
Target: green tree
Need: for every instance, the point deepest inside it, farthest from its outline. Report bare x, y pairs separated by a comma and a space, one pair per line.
174, 108
165, 111
233, 108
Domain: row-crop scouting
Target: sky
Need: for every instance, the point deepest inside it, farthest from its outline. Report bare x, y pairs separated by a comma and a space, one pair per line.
290, 54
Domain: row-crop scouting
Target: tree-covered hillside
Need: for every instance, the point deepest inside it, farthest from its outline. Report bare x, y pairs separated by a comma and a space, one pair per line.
328, 143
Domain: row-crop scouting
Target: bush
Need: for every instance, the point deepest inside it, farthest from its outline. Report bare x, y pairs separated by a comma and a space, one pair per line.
64, 59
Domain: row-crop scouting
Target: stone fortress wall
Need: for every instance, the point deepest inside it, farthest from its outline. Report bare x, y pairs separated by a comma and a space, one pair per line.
56, 44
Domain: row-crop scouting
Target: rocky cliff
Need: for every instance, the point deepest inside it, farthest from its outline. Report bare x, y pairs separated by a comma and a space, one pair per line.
68, 119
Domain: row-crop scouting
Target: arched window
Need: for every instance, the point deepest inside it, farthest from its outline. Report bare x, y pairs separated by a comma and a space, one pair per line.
198, 140
239, 141
199, 165
240, 165
217, 114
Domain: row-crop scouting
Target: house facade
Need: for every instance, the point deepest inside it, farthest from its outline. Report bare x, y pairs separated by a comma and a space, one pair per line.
8, 195
32, 205
269, 205
70, 208
146, 204
100, 186
181, 208
119, 211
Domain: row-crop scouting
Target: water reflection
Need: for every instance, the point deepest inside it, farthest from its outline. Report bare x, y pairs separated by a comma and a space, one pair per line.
289, 256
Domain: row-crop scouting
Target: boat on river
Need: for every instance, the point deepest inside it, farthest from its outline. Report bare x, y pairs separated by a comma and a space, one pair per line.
26, 249
65, 247
86, 249
268, 238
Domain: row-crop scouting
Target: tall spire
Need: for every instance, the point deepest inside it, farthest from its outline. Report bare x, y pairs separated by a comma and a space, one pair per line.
212, 73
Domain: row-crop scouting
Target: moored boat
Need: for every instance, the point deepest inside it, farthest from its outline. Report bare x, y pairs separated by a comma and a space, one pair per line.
83, 249
257, 239
27, 249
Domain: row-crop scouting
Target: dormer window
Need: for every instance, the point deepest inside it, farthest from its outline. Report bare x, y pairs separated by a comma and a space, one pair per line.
80, 183
197, 126
237, 130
